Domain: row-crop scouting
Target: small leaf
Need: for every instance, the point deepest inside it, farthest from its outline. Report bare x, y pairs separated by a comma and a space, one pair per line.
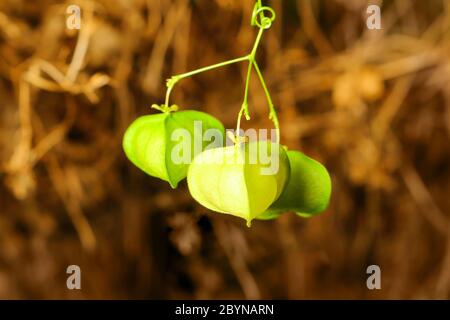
158, 107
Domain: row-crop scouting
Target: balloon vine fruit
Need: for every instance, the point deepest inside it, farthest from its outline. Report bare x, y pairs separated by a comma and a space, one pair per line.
237, 179
307, 192
150, 142
242, 180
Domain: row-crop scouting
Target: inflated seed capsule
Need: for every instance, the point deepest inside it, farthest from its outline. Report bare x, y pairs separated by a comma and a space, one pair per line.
307, 192
242, 180
163, 145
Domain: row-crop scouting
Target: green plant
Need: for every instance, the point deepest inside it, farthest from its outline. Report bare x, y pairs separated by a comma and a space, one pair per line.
226, 180
307, 192
149, 141
263, 22
222, 179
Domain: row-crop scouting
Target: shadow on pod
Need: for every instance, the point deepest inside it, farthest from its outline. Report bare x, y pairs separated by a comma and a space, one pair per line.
163, 145
242, 180
307, 192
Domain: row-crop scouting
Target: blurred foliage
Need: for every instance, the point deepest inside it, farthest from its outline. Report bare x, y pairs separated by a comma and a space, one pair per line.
373, 105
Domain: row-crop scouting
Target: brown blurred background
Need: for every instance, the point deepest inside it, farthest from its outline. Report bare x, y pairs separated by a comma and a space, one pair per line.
372, 105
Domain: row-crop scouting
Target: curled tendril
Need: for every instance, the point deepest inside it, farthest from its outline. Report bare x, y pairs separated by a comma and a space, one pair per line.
259, 19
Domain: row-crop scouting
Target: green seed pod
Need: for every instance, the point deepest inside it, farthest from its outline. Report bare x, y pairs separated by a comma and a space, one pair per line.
163, 145
242, 180
307, 192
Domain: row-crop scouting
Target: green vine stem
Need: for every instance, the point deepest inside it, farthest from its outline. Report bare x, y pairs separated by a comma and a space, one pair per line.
174, 79
263, 22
